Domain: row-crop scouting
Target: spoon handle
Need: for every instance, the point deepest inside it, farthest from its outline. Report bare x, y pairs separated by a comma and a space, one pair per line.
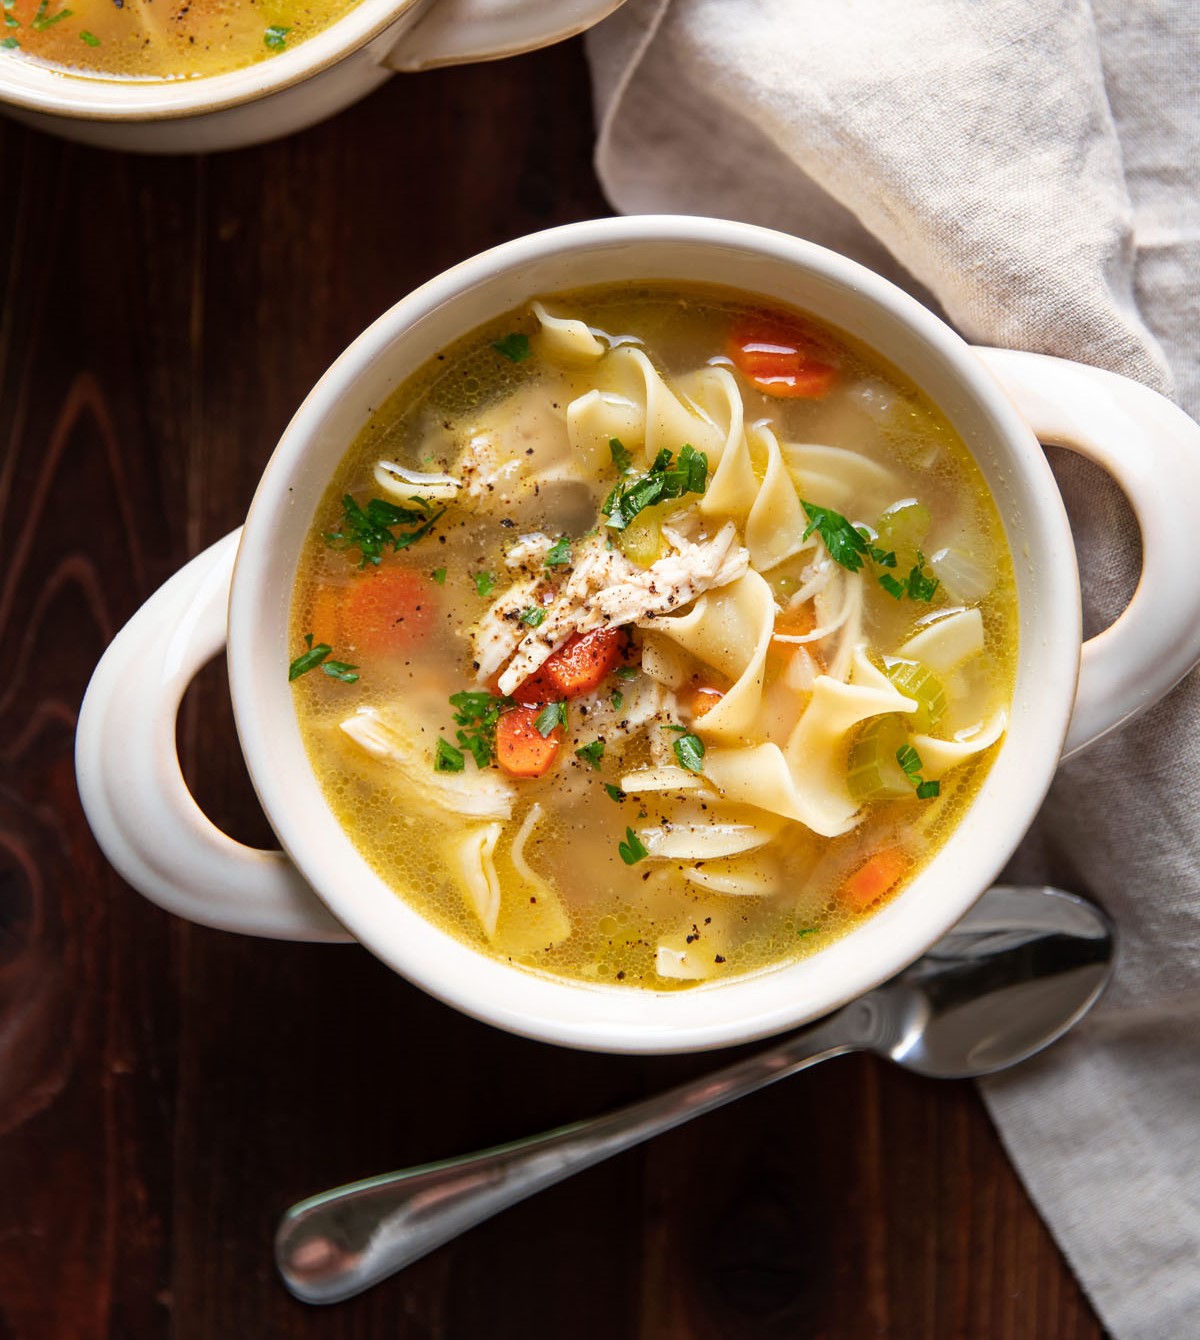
334, 1245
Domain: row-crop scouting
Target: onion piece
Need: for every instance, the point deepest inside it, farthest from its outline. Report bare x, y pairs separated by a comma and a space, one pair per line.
405, 484
964, 579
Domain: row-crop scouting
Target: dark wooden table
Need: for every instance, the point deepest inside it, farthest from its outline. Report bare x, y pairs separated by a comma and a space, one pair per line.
165, 1091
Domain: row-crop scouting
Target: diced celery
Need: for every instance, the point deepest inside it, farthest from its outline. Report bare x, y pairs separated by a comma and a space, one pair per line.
915, 680
641, 541
873, 772
904, 526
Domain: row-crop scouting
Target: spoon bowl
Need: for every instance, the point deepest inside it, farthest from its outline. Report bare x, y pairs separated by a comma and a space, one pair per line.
1020, 969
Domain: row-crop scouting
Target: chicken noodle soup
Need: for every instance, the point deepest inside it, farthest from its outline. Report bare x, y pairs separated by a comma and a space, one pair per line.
651, 637
146, 39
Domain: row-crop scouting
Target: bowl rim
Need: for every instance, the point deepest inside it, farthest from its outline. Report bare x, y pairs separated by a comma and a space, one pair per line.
35, 87
756, 1005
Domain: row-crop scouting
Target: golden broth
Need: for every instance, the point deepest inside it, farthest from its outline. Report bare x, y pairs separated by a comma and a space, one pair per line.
598, 879
154, 39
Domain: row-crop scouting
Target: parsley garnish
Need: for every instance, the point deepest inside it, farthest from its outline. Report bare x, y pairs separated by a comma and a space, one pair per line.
485, 584
662, 482
921, 584
276, 37
807, 930
632, 849
381, 525
90, 38
314, 656
348, 674
591, 753
626, 672
514, 347
620, 455
614, 792
559, 552
551, 716
918, 585
448, 759
534, 616
476, 714
848, 546
10, 43
439, 576
42, 20
689, 750
617, 698
910, 765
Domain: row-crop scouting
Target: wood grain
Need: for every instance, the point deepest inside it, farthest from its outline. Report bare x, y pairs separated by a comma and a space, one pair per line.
166, 1091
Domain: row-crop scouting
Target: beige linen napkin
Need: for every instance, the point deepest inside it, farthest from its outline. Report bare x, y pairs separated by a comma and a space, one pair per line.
1033, 168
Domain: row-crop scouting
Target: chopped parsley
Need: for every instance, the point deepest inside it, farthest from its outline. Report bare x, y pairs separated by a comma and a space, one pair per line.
534, 616
485, 584
689, 750
633, 849
849, 546
10, 43
559, 552
614, 792
591, 753
439, 576
515, 347
666, 479
317, 655
90, 38
910, 765
921, 584
448, 759
380, 526
626, 672
620, 455
918, 585
550, 717
807, 930
276, 37
476, 713
41, 20
617, 698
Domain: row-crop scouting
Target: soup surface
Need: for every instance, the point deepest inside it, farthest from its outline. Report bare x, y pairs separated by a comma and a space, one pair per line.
159, 39
653, 637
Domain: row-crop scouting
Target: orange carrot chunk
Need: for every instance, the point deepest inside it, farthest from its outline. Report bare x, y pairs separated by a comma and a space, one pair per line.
701, 698
577, 667
386, 609
779, 357
521, 750
878, 875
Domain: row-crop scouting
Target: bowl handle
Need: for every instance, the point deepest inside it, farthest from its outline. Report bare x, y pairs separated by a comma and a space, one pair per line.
459, 32
133, 792
1152, 450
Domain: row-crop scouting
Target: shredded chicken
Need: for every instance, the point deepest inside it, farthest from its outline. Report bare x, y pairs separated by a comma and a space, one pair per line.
606, 590
497, 634
528, 554
387, 735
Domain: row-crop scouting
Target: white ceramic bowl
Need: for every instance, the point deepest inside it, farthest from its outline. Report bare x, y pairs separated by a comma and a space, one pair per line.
152, 831
296, 88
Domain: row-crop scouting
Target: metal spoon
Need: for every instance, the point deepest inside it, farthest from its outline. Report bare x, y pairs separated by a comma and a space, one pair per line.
1020, 968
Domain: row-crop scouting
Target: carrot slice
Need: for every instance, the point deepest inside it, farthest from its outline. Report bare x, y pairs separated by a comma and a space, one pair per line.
780, 357
879, 874
386, 609
700, 698
797, 620
577, 667
521, 750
